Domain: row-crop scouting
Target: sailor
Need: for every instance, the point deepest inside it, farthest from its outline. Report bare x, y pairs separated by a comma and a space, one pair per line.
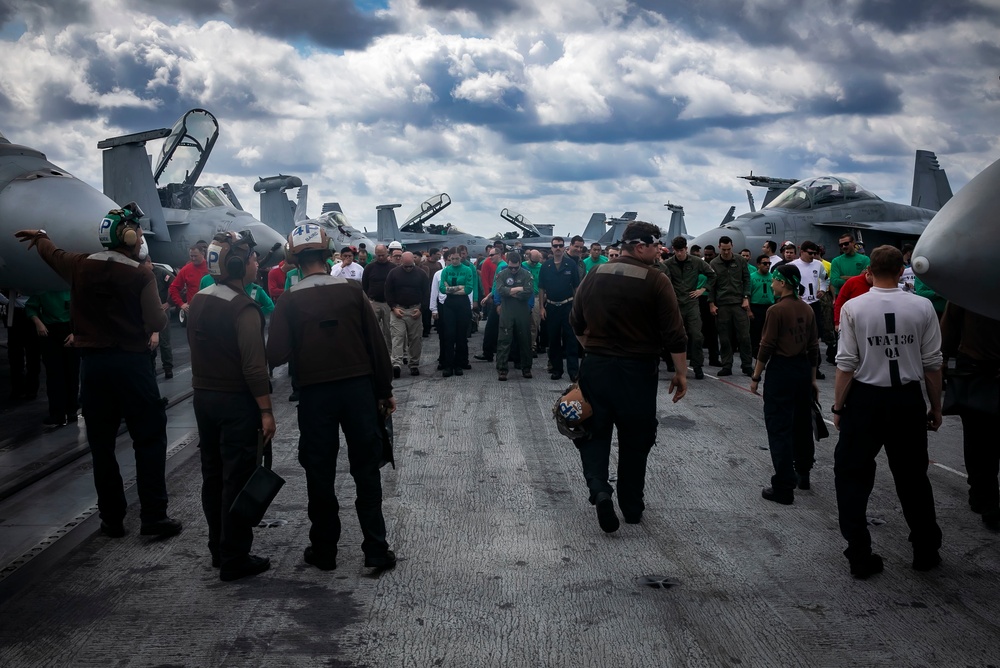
373, 282
50, 313
345, 380
232, 402
457, 283
788, 349
188, 280
730, 304
117, 318
557, 282
406, 289
163, 278
514, 297
627, 318
889, 341
761, 299
685, 272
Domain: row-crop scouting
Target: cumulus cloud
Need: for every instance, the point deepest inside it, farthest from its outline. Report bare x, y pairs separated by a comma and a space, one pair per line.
563, 107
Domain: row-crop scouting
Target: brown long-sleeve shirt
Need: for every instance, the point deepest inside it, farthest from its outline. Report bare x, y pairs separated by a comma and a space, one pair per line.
114, 301
329, 327
628, 309
789, 331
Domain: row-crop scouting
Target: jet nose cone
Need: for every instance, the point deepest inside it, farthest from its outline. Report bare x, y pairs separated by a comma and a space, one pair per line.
711, 238
67, 208
955, 255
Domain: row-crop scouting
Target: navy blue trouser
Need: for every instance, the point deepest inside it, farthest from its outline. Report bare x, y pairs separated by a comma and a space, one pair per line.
228, 427
456, 316
788, 418
562, 340
894, 417
628, 404
113, 385
62, 371
325, 409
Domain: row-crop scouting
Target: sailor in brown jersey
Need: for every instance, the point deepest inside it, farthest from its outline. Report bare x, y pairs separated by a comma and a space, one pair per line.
328, 327
789, 349
116, 318
627, 318
232, 401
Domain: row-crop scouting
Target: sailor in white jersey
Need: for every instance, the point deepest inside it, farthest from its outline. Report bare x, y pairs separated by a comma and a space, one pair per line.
815, 282
889, 340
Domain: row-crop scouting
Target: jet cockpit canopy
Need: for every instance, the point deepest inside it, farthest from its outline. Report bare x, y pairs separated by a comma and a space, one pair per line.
819, 192
428, 209
185, 151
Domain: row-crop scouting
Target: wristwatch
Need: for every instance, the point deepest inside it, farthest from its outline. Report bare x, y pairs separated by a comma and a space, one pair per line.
835, 410
756, 380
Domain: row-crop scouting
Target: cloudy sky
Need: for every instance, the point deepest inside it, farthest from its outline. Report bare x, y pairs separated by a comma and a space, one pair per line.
553, 108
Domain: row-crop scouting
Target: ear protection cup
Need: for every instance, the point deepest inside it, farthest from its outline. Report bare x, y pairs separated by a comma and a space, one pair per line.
236, 266
129, 235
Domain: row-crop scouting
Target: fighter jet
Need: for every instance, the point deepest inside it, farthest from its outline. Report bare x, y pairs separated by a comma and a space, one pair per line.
676, 228
278, 212
179, 212
34, 193
956, 253
417, 235
821, 209
540, 236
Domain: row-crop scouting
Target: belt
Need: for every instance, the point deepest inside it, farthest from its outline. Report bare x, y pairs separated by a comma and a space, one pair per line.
552, 303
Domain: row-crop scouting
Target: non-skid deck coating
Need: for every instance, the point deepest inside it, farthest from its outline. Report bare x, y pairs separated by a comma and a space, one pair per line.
501, 561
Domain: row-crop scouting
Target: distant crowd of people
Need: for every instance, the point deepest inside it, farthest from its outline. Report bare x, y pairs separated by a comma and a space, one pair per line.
348, 323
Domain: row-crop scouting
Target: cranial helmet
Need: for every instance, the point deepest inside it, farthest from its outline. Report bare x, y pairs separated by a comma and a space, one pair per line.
308, 237
229, 253
121, 227
572, 412
395, 245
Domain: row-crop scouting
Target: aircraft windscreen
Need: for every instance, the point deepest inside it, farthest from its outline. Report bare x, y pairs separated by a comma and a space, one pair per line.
427, 210
819, 192
337, 219
209, 197
186, 150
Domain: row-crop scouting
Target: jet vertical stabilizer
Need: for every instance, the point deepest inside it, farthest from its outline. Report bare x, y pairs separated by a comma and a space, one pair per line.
388, 229
595, 226
276, 210
127, 177
301, 201
931, 189
956, 254
677, 227
729, 217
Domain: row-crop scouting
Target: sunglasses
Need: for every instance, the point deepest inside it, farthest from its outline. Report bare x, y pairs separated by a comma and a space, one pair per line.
768, 263
811, 252
846, 243
558, 245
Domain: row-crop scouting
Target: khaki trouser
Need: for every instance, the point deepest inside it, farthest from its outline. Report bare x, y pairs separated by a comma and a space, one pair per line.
407, 335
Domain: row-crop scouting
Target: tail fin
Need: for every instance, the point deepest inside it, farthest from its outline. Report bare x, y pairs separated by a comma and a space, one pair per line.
750, 199
595, 227
388, 228
128, 177
931, 189
677, 226
332, 206
729, 217
301, 201
275, 207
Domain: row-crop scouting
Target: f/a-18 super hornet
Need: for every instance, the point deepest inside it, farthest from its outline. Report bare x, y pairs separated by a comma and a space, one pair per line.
540, 236
956, 255
417, 234
178, 211
34, 193
821, 209
278, 212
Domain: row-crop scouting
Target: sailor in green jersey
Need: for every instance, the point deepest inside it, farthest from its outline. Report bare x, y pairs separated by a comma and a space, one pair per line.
594, 259
50, 313
458, 283
849, 263
533, 263
761, 298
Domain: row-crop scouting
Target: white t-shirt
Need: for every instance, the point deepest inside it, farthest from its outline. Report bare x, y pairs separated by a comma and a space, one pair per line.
353, 271
908, 279
889, 337
814, 278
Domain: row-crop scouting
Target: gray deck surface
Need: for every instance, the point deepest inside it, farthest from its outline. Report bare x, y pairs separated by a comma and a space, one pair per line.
502, 562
